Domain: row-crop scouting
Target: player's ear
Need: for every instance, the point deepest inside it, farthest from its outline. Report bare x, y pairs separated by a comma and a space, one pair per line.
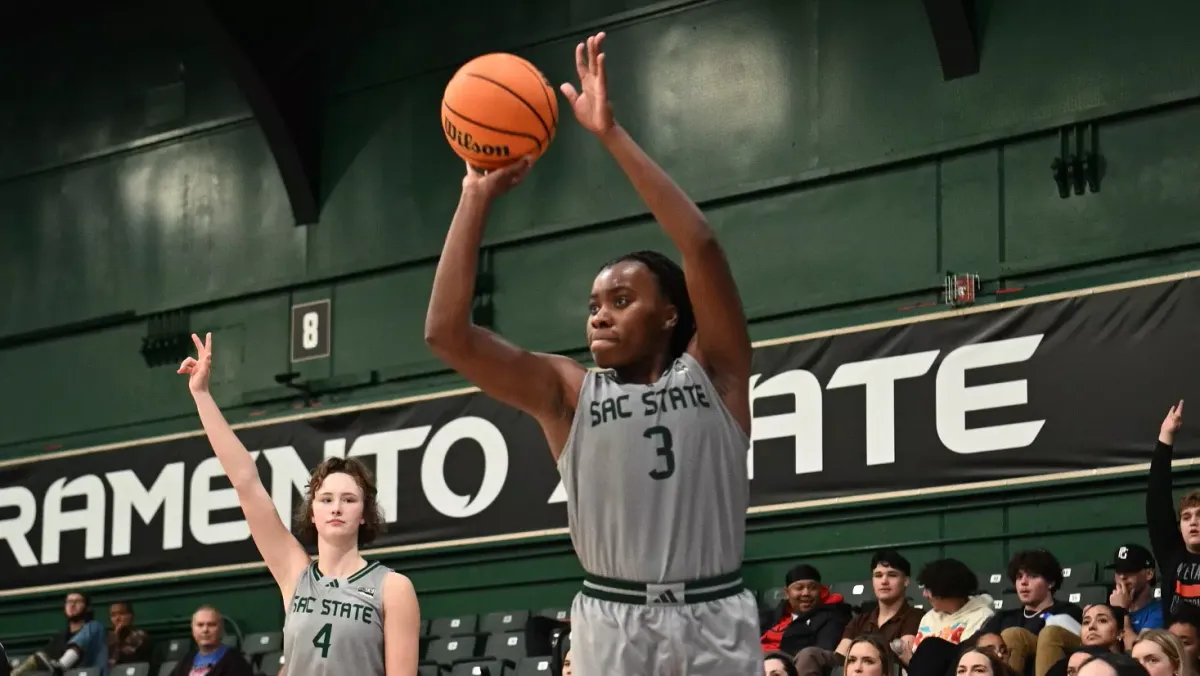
672, 318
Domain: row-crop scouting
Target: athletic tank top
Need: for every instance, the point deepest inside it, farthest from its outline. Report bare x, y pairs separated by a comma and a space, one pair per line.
334, 626
656, 478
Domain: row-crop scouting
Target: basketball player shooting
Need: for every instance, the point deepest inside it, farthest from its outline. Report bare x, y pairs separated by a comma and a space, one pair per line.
651, 446
343, 615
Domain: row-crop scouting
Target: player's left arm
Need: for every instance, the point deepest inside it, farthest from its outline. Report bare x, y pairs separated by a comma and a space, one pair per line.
401, 626
722, 340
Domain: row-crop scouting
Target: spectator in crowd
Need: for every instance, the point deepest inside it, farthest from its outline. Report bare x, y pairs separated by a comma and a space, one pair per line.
992, 643
956, 612
80, 645
1161, 654
126, 643
1175, 541
779, 664
1111, 664
1185, 625
977, 662
1133, 590
891, 616
1102, 628
1043, 630
810, 615
868, 655
1071, 665
210, 657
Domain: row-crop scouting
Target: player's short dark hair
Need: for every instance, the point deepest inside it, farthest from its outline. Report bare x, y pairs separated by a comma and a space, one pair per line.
1039, 562
892, 559
948, 579
673, 284
373, 521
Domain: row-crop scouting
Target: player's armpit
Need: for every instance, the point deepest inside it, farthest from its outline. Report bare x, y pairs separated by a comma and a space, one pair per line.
401, 626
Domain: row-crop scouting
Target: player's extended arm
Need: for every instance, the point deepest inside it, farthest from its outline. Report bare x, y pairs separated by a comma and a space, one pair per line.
284, 556
722, 341
543, 385
401, 626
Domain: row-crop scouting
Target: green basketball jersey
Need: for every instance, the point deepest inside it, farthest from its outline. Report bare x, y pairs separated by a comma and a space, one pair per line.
334, 626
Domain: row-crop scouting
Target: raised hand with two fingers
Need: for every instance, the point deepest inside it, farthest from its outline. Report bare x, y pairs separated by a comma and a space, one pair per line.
198, 367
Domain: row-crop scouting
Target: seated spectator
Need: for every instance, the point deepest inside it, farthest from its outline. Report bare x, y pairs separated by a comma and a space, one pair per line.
1133, 591
1102, 628
81, 645
994, 644
1070, 665
778, 664
956, 613
1161, 654
126, 643
809, 616
976, 662
868, 655
891, 616
1185, 625
210, 657
1111, 664
1043, 630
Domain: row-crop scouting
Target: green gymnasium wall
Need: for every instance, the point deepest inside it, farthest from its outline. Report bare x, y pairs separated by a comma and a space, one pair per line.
842, 173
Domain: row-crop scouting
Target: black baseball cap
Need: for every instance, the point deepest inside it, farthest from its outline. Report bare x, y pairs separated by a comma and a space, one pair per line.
1131, 558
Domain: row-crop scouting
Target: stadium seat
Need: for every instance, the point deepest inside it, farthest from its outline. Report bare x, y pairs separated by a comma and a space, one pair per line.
482, 667
263, 643
1085, 596
461, 625
425, 627
428, 669
88, 671
166, 668
533, 666
138, 669
1005, 602
176, 648
509, 646
771, 598
270, 663
450, 650
230, 640
994, 583
15, 661
561, 614
856, 594
1079, 574
504, 621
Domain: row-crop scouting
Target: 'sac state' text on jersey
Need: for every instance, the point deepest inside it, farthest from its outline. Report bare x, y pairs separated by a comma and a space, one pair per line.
656, 477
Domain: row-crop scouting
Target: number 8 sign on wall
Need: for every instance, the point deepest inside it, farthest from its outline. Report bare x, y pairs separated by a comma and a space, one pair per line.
310, 330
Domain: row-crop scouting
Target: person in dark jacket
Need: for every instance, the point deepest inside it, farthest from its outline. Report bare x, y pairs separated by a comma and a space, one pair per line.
810, 616
211, 657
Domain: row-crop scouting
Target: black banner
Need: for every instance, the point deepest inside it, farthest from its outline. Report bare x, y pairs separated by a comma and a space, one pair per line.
1053, 386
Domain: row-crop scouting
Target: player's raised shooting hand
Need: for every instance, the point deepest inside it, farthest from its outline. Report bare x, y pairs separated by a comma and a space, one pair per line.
492, 184
591, 105
198, 367
1171, 424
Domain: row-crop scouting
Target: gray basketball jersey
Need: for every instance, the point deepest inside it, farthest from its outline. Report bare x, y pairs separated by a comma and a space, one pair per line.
656, 478
334, 626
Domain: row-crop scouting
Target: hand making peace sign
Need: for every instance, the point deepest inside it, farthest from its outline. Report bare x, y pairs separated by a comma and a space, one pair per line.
591, 106
198, 367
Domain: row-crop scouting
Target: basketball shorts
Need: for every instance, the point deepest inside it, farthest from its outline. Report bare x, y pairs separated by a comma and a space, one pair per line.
702, 628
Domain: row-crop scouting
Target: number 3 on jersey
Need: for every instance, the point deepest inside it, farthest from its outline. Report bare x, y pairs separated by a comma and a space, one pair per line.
665, 450
321, 640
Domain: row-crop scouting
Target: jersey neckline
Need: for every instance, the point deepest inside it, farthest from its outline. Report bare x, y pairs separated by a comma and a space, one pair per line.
371, 565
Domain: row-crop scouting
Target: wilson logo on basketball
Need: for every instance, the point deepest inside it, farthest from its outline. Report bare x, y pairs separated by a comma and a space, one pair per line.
466, 142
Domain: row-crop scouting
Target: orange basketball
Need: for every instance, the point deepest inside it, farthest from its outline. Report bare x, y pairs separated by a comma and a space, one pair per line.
497, 109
